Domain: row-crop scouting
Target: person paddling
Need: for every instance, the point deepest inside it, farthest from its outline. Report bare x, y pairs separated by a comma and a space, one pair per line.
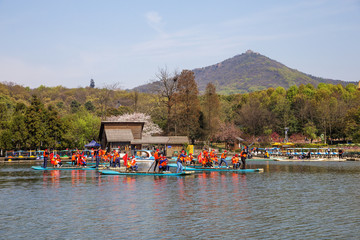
46, 155
157, 158
243, 159
222, 159
180, 159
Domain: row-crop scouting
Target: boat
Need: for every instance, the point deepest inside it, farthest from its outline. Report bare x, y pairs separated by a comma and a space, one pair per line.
219, 169
62, 168
111, 172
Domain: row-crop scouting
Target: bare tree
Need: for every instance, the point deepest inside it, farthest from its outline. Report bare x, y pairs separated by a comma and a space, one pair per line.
104, 97
165, 85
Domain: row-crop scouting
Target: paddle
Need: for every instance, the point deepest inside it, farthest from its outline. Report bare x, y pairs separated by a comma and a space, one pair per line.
151, 166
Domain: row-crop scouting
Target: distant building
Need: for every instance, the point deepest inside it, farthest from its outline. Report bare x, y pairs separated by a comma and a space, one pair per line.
128, 136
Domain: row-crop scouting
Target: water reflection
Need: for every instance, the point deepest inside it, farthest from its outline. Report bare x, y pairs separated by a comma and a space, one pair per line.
287, 201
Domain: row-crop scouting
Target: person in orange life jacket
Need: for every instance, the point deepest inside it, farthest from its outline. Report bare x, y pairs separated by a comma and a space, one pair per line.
157, 158
192, 161
117, 158
243, 158
180, 159
46, 155
235, 161
222, 158
163, 163
134, 166
73, 159
213, 156
58, 162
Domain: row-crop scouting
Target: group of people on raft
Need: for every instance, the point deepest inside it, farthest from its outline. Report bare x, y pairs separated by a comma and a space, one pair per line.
205, 158
55, 160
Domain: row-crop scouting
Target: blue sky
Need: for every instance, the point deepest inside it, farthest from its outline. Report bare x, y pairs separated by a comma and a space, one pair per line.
63, 42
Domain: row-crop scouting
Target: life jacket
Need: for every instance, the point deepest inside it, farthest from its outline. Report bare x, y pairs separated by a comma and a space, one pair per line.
73, 157
181, 157
235, 160
156, 155
163, 162
128, 165
223, 155
243, 154
46, 154
133, 162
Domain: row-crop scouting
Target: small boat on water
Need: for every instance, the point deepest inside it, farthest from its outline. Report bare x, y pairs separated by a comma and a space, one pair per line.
62, 168
111, 172
218, 169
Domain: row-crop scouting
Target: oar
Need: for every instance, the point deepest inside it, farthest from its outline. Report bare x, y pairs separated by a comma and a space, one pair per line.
151, 166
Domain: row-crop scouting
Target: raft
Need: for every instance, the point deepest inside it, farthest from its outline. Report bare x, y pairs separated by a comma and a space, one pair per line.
218, 169
62, 168
110, 172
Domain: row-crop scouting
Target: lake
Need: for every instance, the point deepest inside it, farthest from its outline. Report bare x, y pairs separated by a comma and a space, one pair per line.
289, 200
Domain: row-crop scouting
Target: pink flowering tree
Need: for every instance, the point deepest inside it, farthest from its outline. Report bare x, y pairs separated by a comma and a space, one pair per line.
150, 128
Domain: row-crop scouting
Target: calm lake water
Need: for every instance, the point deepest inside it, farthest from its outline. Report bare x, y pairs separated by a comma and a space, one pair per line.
318, 200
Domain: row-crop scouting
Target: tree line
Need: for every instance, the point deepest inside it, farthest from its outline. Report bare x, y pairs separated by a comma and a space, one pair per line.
60, 117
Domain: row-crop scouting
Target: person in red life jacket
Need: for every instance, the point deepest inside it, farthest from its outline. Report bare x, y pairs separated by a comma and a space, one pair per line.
52, 160
134, 166
180, 160
222, 158
243, 158
235, 161
163, 163
46, 156
82, 160
157, 158
125, 158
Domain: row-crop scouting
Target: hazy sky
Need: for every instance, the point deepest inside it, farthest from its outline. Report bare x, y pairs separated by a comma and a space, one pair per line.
68, 42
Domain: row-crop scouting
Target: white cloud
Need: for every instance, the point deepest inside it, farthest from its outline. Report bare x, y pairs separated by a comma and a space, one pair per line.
155, 21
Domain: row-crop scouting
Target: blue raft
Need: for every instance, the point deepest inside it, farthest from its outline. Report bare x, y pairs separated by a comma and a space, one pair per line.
110, 172
62, 168
218, 169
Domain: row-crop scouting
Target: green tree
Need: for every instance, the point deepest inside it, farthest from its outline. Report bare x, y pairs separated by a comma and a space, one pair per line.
187, 105
34, 120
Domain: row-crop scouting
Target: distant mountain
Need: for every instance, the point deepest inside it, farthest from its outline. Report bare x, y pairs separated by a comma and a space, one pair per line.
249, 72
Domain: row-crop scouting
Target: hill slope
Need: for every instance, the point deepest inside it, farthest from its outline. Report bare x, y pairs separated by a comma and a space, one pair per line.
249, 72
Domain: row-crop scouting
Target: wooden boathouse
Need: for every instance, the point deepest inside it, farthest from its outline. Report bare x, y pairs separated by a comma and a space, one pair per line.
129, 136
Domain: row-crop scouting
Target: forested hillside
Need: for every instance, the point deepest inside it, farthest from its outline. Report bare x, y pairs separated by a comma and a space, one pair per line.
60, 117
249, 72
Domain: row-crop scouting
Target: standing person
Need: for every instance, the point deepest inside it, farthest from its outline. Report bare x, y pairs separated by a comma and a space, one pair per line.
340, 153
46, 155
180, 159
157, 158
222, 159
117, 158
73, 159
97, 157
243, 159
125, 158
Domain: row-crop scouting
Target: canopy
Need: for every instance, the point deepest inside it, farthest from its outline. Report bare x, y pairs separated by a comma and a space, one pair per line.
92, 144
